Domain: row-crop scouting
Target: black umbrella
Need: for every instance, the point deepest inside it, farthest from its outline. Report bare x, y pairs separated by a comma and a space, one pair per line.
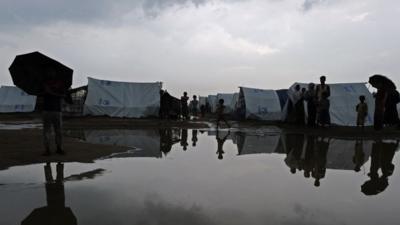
380, 81
31, 71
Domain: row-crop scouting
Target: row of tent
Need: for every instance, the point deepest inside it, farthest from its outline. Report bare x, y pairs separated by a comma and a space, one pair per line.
136, 100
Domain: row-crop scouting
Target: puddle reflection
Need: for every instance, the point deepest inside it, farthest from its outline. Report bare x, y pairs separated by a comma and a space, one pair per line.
215, 177
310, 155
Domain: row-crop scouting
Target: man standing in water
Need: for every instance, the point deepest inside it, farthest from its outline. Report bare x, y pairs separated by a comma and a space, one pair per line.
52, 113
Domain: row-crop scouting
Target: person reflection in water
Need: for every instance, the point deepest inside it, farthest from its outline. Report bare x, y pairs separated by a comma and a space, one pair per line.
55, 213
381, 158
194, 137
359, 155
221, 141
184, 141
321, 152
166, 141
295, 143
308, 161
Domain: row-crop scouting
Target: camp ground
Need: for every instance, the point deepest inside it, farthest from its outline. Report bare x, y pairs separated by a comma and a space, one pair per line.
259, 104
115, 99
14, 100
343, 100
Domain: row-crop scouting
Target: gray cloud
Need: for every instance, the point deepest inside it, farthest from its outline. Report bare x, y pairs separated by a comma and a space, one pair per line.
27, 12
309, 4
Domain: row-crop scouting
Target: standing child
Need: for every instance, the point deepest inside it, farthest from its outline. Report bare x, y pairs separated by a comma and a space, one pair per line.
362, 111
220, 113
324, 118
194, 104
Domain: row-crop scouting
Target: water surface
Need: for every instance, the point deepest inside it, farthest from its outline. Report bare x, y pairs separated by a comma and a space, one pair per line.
185, 176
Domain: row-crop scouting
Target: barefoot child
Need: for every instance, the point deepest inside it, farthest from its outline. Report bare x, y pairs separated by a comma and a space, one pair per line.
362, 111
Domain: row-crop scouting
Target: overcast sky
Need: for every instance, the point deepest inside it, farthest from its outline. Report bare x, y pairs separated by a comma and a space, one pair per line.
207, 46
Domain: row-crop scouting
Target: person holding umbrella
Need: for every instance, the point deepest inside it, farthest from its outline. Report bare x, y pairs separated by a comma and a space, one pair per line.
386, 99
52, 116
40, 75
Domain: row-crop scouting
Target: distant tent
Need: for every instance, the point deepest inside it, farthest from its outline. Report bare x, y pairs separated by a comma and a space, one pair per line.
212, 100
230, 101
259, 104
202, 100
122, 99
13, 99
343, 100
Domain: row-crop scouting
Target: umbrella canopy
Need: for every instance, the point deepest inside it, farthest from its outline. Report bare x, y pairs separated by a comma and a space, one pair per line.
377, 80
31, 71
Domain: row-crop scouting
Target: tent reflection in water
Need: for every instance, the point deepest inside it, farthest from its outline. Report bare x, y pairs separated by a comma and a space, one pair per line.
256, 144
122, 99
144, 143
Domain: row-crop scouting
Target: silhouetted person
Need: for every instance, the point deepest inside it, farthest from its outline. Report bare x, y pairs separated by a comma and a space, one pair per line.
55, 213
194, 105
184, 106
220, 150
359, 155
165, 104
380, 103
203, 110
311, 99
221, 113
321, 153
391, 115
52, 117
362, 111
194, 137
323, 116
381, 158
323, 88
299, 107
184, 139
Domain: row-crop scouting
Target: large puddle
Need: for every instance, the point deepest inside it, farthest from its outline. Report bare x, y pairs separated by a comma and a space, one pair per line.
184, 176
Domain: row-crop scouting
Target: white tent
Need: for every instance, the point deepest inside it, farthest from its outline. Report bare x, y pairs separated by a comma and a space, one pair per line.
202, 100
343, 100
122, 99
230, 101
13, 99
260, 104
212, 100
